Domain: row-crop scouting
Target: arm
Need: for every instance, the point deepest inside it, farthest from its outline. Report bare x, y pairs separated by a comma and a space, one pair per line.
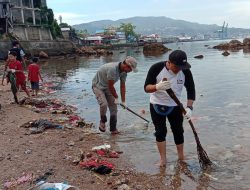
112, 88
22, 56
4, 73
40, 76
150, 82
190, 87
150, 88
123, 91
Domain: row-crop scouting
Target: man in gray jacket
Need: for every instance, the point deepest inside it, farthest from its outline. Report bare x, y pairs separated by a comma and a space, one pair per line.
104, 90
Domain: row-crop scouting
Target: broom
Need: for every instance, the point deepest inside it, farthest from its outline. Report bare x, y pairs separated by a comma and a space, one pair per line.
202, 155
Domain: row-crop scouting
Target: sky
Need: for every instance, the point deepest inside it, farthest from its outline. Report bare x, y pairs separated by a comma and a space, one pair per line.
234, 12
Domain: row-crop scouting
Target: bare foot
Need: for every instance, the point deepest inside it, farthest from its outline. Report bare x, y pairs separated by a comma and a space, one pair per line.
182, 157
115, 132
162, 164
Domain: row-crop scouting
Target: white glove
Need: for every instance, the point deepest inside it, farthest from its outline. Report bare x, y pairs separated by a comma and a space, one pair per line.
13, 70
163, 85
188, 114
116, 101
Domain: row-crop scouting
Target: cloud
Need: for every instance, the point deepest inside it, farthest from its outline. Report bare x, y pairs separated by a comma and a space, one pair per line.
238, 13
71, 18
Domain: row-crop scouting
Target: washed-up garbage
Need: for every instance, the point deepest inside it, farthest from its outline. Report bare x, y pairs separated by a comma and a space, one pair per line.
108, 153
21, 180
39, 126
104, 147
97, 165
42, 185
55, 106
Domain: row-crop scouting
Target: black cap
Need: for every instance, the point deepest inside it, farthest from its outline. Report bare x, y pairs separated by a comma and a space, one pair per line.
179, 58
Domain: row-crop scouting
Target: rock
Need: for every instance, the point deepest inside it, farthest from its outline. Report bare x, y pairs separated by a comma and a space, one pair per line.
1, 158
70, 143
42, 54
232, 45
246, 42
199, 56
123, 187
155, 49
28, 151
226, 53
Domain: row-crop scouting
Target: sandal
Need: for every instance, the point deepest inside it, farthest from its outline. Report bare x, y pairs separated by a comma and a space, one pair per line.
102, 127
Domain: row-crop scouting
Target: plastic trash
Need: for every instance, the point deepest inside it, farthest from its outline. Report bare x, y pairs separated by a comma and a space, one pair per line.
104, 147
54, 186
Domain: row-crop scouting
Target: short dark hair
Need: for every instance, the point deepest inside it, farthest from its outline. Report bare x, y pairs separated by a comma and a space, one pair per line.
14, 43
13, 53
35, 59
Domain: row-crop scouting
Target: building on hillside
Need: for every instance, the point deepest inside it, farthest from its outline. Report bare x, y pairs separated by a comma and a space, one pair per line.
93, 40
100, 32
66, 32
23, 19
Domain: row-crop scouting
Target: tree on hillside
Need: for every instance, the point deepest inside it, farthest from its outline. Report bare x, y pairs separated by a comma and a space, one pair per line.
47, 19
128, 29
82, 33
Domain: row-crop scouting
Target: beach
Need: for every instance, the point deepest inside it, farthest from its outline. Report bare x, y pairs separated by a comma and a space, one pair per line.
54, 150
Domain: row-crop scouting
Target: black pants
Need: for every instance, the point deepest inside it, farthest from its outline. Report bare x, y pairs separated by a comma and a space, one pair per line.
175, 119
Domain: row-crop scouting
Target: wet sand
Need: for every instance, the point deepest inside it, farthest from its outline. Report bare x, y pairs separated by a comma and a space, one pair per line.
22, 153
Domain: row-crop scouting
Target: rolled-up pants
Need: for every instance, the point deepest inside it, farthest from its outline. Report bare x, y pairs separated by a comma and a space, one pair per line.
106, 100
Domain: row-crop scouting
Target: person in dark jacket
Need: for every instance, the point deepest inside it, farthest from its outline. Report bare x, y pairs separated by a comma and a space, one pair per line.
19, 52
177, 72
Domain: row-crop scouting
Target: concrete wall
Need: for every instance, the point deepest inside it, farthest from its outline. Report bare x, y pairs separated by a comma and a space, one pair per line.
45, 34
52, 48
19, 32
32, 33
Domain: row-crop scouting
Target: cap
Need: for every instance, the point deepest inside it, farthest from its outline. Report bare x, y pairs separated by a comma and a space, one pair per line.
132, 63
179, 58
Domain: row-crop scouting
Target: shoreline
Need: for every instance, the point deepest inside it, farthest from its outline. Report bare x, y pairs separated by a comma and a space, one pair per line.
37, 153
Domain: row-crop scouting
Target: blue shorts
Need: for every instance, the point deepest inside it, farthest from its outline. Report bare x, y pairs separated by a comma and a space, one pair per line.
34, 85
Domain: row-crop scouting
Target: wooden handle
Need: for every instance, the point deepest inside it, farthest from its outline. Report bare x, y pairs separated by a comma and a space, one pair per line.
173, 96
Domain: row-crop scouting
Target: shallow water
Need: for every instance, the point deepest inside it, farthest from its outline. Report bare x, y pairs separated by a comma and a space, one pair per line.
221, 114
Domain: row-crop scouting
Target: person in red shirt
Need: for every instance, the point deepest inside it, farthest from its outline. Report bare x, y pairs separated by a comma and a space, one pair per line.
34, 75
15, 66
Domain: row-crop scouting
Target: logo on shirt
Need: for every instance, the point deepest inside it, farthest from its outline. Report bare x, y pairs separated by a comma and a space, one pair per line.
179, 81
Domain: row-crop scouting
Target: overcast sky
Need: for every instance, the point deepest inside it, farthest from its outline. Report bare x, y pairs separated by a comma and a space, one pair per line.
235, 12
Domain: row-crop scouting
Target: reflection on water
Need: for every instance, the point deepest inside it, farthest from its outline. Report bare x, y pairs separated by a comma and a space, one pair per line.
221, 114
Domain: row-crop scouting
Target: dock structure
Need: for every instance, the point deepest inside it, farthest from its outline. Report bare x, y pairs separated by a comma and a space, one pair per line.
223, 32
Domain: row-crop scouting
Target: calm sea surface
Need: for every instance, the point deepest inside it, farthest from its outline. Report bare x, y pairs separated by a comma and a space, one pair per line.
221, 114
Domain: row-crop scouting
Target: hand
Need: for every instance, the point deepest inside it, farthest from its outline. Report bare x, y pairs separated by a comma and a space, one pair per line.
188, 114
123, 104
163, 85
13, 70
116, 101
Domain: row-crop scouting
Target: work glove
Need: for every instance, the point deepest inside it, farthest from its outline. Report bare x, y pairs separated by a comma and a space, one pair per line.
116, 101
163, 85
188, 114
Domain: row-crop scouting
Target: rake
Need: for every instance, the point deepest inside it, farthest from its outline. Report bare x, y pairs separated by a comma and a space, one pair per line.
202, 155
